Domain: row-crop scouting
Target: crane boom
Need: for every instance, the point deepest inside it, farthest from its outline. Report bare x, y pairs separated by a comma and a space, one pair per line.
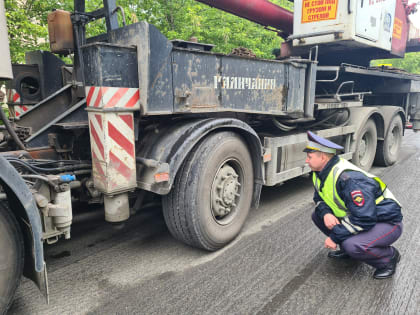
262, 12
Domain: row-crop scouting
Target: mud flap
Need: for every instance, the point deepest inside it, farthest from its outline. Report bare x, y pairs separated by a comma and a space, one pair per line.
18, 191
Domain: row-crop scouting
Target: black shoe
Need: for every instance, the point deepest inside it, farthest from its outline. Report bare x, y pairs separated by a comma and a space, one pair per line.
388, 272
338, 254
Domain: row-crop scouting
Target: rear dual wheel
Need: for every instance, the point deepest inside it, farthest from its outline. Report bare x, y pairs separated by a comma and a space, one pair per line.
369, 149
366, 142
11, 256
212, 193
388, 150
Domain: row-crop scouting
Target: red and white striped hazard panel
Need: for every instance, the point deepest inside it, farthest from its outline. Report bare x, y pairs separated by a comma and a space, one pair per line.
12, 96
109, 97
20, 110
113, 151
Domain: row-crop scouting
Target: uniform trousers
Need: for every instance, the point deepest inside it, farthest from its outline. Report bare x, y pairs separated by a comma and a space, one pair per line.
373, 246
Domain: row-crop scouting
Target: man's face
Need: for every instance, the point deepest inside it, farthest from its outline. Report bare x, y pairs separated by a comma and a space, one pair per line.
316, 160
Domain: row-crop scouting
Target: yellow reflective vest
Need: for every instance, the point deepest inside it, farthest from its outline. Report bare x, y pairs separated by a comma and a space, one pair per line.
329, 194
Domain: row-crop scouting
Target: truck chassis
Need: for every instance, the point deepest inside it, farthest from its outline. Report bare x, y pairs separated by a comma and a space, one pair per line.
140, 116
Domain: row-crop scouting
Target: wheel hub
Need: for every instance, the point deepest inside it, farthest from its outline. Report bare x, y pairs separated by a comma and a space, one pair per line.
362, 148
393, 140
225, 191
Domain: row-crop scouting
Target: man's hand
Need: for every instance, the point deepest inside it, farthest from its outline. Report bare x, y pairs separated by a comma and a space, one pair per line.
329, 243
330, 221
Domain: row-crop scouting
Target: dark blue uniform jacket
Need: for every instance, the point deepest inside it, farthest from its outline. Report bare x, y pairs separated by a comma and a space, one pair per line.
364, 216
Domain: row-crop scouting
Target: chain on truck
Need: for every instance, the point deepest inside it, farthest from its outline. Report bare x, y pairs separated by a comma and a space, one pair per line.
138, 115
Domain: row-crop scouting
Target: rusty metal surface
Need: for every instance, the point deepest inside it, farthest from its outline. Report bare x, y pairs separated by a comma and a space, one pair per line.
193, 81
154, 65
60, 31
176, 80
37, 153
110, 65
242, 52
43, 153
205, 82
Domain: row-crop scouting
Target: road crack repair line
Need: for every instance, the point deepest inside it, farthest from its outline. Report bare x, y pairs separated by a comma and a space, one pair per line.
292, 286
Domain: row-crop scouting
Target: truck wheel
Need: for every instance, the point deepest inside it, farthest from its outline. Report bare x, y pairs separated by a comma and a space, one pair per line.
388, 150
366, 146
11, 257
212, 193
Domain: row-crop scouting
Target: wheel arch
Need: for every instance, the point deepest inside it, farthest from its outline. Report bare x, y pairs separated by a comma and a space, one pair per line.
24, 208
171, 146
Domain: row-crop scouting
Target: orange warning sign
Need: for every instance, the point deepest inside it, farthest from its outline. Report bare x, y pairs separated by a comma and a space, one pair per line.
398, 26
318, 10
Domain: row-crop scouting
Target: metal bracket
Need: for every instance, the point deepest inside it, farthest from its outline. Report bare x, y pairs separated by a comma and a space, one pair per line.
330, 69
338, 96
337, 35
315, 48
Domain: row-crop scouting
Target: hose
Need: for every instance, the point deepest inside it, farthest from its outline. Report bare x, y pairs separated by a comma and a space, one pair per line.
286, 128
329, 116
11, 130
61, 169
39, 162
35, 168
26, 165
43, 178
282, 126
82, 172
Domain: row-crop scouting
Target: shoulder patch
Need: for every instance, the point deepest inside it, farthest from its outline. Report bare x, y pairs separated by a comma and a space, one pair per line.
358, 198
344, 176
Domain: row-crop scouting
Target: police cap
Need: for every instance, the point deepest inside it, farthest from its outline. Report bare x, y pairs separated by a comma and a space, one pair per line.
319, 144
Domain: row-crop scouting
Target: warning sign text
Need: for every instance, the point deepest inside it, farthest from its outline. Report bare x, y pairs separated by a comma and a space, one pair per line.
318, 10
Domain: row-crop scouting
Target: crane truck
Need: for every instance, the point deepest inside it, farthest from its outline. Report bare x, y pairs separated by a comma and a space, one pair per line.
138, 115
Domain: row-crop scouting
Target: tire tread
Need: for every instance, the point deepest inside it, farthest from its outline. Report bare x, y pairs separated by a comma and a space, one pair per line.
382, 157
178, 205
16, 231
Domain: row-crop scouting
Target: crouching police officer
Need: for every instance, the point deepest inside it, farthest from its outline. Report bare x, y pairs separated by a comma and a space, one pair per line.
354, 209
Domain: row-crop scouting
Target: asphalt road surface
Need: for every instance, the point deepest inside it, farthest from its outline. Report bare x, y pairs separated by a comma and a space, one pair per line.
276, 266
